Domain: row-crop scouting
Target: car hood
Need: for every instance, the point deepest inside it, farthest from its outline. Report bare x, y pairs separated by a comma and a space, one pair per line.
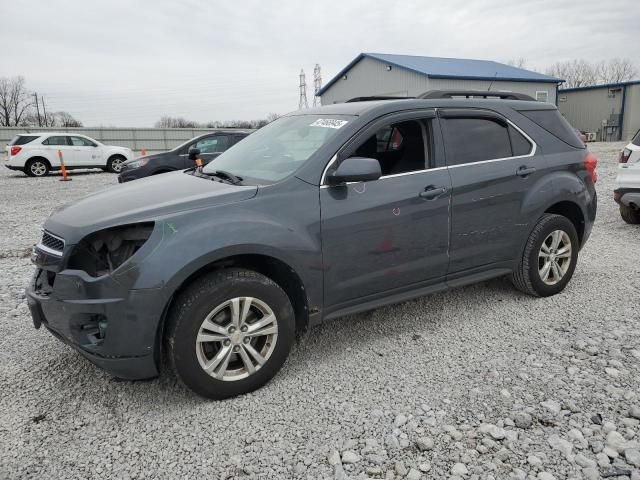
155, 156
143, 200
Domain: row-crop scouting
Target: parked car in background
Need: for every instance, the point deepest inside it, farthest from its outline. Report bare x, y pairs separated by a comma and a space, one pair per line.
627, 192
313, 217
37, 153
210, 145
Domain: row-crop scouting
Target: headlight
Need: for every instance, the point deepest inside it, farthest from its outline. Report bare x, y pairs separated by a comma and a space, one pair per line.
138, 163
100, 253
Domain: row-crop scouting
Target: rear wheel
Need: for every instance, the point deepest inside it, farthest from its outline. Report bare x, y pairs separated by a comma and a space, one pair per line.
229, 333
37, 167
630, 214
549, 257
114, 164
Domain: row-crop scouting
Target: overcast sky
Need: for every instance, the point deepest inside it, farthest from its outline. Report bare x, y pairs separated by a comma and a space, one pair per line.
127, 63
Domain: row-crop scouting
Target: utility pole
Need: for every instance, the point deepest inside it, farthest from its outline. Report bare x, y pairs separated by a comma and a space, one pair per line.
303, 92
317, 85
35, 94
44, 111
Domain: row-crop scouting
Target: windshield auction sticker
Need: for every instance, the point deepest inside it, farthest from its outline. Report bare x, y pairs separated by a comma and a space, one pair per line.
329, 123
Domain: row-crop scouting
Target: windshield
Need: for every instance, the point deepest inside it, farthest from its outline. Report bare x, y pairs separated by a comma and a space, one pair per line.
278, 149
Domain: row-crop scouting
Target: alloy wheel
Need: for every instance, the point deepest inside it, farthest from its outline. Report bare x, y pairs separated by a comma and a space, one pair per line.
38, 168
554, 257
116, 164
236, 338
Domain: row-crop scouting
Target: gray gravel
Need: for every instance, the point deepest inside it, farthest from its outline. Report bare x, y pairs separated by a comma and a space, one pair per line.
480, 382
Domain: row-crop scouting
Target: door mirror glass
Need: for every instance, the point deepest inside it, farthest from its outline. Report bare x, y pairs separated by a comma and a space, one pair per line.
355, 169
194, 153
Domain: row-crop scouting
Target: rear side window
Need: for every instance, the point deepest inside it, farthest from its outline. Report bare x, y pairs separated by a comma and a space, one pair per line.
22, 139
554, 123
519, 144
58, 141
636, 139
471, 140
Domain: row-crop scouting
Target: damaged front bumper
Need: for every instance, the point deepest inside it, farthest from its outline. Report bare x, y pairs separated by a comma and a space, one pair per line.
114, 327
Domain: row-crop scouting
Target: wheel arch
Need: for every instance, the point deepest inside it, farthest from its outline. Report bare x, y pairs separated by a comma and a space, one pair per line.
573, 212
270, 266
38, 157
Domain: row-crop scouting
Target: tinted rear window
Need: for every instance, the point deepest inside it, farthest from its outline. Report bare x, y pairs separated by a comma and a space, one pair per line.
22, 139
636, 139
554, 123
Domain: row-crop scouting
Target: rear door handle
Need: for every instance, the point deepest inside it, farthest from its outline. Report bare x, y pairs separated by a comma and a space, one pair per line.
432, 192
524, 171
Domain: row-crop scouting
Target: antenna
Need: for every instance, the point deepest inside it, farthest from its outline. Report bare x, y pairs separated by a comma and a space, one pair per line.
317, 85
492, 80
303, 92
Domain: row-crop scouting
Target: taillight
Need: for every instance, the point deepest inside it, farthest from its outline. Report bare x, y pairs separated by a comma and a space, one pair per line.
15, 150
624, 155
590, 163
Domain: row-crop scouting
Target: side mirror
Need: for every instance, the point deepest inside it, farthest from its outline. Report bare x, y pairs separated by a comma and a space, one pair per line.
194, 153
355, 169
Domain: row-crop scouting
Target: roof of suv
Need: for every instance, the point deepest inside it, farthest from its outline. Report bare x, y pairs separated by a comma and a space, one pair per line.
388, 106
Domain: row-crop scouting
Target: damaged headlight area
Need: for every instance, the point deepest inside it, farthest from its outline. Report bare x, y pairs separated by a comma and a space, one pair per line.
102, 252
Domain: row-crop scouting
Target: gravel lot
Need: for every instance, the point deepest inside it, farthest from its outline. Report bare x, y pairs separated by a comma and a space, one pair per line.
477, 383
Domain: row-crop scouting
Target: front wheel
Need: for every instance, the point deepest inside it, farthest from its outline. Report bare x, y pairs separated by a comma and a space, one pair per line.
229, 333
549, 258
114, 164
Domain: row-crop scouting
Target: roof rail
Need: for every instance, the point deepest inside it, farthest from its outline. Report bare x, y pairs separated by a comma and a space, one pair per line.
435, 94
375, 97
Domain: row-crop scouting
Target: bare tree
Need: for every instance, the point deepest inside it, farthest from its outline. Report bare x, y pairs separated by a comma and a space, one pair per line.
519, 62
15, 101
175, 122
65, 119
616, 70
580, 73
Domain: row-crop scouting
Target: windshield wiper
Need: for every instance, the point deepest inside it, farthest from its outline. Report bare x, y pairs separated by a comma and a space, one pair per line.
234, 179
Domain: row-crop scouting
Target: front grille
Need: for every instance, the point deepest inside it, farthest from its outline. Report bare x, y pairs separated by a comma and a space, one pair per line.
52, 242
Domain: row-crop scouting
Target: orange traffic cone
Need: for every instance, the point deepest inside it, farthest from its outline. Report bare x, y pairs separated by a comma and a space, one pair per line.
143, 152
198, 162
65, 176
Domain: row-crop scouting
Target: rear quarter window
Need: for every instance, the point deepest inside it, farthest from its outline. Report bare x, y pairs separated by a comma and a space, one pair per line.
554, 123
636, 139
22, 139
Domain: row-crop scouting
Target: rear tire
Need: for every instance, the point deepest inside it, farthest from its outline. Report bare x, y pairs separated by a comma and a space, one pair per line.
549, 258
114, 164
37, 167
202, 338
630, 214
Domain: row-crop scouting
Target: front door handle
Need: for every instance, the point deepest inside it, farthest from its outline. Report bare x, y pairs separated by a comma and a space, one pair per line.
431, 192
525, 171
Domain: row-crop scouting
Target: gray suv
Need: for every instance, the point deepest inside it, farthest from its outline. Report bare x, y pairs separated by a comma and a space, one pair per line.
324, 212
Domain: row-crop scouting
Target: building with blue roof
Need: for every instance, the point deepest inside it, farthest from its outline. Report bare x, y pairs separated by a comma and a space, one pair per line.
381, 74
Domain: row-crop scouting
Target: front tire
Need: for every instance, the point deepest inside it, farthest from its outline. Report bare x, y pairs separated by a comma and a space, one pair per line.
549, 258
229, 333
114, 164
37, 167
630, 214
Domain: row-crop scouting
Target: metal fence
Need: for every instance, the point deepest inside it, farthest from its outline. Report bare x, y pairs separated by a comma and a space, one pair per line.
137, 139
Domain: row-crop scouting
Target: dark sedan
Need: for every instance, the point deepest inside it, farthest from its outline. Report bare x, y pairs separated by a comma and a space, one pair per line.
210, 145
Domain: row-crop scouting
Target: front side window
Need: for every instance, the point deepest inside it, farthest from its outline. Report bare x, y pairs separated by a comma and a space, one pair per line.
57, 141
280, 148
216, 144
471, 140
399, 147
81, 142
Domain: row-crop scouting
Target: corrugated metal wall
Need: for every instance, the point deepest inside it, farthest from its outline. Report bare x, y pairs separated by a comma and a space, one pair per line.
150, 139
587, 109
370, 77
631, 112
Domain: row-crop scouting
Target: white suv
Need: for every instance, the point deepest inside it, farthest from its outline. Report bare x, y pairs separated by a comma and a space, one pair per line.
627, 192
37, 153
